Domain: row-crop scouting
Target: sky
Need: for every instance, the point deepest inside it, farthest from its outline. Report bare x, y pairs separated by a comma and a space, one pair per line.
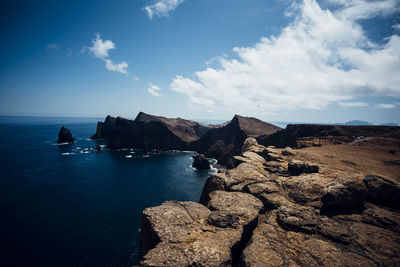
324, 61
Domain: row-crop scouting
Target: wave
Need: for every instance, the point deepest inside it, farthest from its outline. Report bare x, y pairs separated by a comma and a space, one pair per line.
128, 156
67, 153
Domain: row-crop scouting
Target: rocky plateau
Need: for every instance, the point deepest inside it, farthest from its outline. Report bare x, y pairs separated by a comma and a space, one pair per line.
276, 208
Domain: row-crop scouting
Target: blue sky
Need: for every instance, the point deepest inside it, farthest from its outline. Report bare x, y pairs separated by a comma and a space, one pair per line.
307, 61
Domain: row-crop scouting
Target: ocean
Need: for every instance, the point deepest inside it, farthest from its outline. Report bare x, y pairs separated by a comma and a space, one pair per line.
64, 206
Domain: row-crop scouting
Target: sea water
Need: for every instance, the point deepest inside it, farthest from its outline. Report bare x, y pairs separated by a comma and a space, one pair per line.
71, 206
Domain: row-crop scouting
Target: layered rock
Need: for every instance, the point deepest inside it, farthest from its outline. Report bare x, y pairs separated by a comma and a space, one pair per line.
260, 214
64, 136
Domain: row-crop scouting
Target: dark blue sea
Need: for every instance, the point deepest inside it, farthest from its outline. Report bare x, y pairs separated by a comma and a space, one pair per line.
64, 206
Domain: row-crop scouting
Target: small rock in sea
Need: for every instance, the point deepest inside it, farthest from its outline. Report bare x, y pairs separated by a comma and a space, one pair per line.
64, 136
201, 163
97, 148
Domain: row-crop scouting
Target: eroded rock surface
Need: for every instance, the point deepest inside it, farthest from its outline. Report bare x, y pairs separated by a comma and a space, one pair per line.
262, 214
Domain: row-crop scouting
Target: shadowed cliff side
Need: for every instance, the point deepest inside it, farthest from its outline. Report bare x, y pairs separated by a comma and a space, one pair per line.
154, 132
225, 142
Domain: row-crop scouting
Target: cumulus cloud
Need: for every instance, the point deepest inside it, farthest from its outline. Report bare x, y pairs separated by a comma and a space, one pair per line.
318, 59
154, 90
121, 67
352, 104
161, 8
385, 106
100, 49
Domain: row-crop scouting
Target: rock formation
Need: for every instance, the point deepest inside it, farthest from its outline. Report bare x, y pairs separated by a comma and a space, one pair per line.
261, 214
221, 142
201, 163
336, 133
225, 142
64, 136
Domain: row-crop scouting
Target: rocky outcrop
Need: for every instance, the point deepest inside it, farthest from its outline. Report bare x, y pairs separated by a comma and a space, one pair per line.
221, 142
383, 191
225, 142
260, 214
104, 129
200, 163
187, 130
293, 133
64, 136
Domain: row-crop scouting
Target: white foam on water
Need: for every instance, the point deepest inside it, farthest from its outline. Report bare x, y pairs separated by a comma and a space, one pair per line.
67, 153
128, 156
77, 148
63, 144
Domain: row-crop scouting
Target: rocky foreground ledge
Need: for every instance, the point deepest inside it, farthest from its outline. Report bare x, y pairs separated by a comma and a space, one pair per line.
272, 210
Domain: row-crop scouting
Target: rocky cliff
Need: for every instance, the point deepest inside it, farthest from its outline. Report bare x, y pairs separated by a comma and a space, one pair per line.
333, 133
276, 210
154, 132
225, 142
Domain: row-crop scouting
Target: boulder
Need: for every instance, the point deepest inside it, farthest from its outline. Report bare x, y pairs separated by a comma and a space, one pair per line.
382, 191
344, 194
64, 136
297, 167
201, 163
248, 143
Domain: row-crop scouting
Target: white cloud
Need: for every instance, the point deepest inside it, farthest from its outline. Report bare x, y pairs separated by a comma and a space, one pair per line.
161, 8
154, 90
364, 9
121, 67
53, 46
385, 106
396, 27
318, 59
136, 78
100, 49
352, 104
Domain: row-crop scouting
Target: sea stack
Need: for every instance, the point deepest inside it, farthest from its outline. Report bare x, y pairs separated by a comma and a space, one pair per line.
201, 163
65, 136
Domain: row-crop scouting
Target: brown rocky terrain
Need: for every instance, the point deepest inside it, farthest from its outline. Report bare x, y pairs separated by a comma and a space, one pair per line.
301, 135
316, 206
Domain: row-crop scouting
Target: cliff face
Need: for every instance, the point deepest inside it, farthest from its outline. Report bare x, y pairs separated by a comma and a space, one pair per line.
142, 135
215, 141
104, 129
293, 132
187, 130
272, 210
225, 142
